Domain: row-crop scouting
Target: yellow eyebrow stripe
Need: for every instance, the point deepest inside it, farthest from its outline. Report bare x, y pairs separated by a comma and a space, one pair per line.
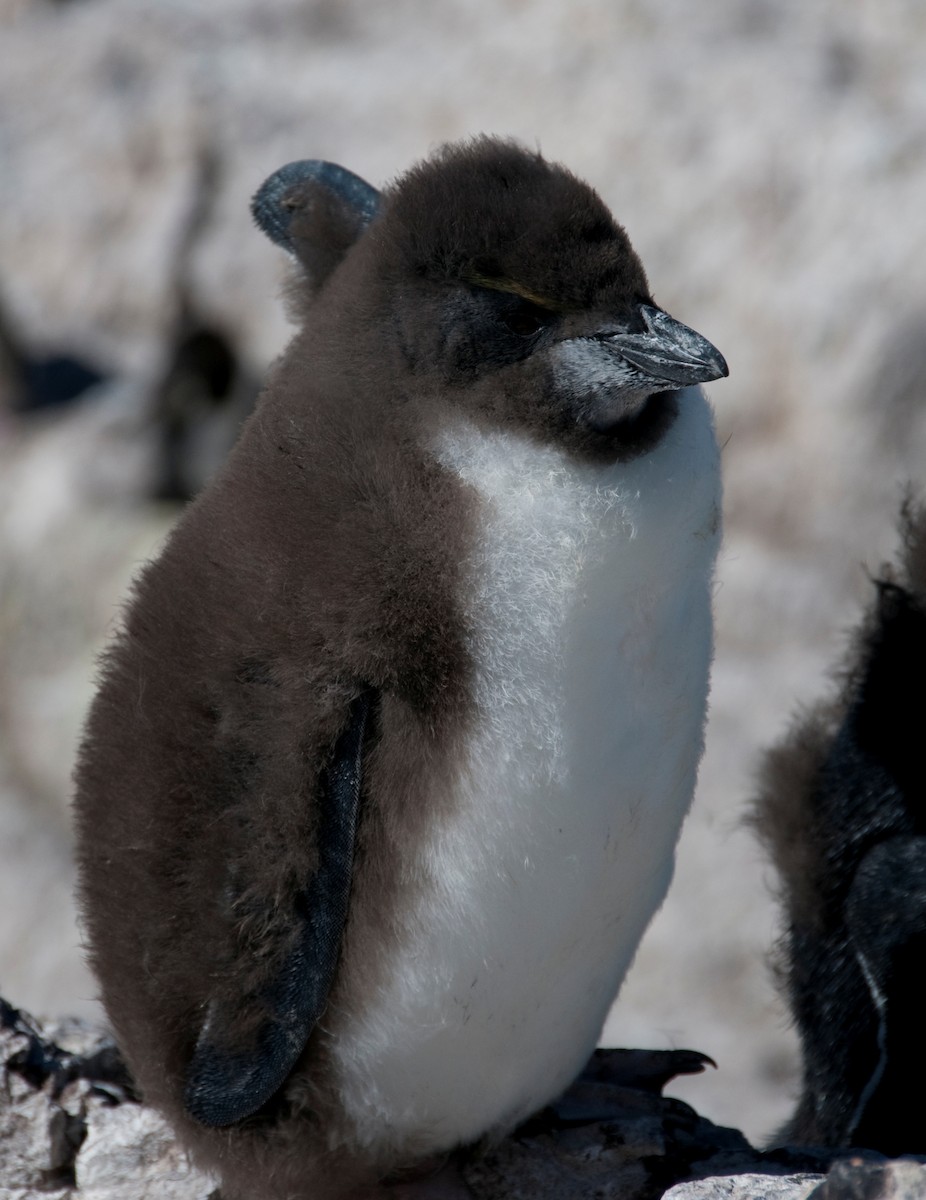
512, 287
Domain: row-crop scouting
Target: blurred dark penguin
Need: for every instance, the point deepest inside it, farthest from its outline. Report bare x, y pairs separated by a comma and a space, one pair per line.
383, 781
842, 812
200, 403
205, 390
202, 393
36, 382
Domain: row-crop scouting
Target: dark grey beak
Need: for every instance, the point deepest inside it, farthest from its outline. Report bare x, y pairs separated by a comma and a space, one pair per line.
669, 351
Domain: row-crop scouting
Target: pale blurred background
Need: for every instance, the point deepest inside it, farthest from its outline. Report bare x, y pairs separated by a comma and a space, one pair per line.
768, 158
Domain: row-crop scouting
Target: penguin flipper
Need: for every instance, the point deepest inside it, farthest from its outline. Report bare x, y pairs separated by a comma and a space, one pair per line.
315, 211
226, 1082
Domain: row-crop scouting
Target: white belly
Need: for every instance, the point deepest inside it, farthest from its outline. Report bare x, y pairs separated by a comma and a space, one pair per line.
590, 611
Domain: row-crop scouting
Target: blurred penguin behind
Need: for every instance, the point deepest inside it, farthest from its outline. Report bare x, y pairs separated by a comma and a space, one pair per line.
842, 813
384, 777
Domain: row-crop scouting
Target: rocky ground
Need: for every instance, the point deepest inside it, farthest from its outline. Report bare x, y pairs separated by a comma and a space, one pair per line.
769, 162
71, 1129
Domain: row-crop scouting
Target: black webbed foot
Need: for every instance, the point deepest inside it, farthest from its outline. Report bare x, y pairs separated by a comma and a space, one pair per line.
616, 1083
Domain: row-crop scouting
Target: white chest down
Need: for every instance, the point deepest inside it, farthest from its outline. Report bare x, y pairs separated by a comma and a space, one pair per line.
589, 605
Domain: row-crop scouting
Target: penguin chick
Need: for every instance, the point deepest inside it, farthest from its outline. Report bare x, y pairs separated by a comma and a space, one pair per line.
387, 766
842, 812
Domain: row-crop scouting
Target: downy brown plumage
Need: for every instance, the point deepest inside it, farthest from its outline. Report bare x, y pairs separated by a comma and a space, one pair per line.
386, 768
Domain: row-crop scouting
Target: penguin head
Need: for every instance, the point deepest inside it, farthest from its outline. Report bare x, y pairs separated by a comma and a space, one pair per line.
500, 283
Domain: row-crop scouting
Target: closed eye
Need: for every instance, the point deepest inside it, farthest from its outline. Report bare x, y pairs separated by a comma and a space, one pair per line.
526, 319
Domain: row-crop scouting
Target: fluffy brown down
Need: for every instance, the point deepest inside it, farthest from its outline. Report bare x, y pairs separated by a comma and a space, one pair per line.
322, 560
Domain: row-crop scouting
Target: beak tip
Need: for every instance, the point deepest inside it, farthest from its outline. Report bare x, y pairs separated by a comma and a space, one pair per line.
712, 362
672, 352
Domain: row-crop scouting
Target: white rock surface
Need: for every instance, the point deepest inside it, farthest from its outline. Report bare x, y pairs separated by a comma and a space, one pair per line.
130, 1151
17, 1193
746, 1187
25, 1150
